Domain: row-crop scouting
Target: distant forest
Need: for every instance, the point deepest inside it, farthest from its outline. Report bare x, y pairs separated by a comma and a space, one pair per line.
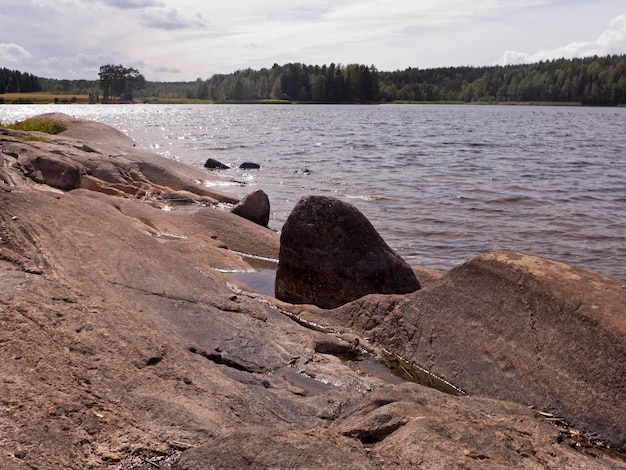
13, 81
589, 81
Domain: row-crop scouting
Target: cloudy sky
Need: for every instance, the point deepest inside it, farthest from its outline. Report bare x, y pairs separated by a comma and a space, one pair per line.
181, 40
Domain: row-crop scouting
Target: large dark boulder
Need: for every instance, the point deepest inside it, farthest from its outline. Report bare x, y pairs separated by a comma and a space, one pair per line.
255, 206
330, 254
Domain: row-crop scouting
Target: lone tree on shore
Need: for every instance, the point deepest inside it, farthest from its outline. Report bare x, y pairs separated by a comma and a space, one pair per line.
118, 82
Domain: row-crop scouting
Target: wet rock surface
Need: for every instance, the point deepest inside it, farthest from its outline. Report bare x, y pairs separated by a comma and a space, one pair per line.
125, 344
330, 254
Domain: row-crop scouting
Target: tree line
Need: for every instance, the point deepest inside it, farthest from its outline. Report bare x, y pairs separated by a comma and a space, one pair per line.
590, 81
353, 83
14, 81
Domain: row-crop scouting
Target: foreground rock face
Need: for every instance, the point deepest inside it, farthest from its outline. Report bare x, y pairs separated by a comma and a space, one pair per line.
417, 427
123, 342
330, 254
515, 327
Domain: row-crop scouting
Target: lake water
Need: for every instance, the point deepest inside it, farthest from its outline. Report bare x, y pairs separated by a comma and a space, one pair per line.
440, 183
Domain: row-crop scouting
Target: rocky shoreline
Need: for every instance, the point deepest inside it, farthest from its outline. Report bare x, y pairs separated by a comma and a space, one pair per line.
126, 344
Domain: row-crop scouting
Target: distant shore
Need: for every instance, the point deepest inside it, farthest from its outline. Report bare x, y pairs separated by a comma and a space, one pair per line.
66, 98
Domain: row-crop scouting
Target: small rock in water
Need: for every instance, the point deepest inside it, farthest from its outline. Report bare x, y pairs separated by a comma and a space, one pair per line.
213, 164
249, 166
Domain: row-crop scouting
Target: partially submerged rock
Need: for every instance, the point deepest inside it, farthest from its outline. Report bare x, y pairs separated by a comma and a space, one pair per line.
330, 254
213, 164
249, 166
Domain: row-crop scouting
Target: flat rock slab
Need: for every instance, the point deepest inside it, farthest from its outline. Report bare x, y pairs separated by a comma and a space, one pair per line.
99, 158
517, 327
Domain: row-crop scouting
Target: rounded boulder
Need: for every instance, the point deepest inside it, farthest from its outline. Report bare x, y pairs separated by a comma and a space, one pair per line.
255, 206
330, 254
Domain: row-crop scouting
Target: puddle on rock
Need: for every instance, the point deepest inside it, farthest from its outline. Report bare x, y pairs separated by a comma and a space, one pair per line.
419, 375
260, 281
301, 383
397, 370
371, 367
391, 369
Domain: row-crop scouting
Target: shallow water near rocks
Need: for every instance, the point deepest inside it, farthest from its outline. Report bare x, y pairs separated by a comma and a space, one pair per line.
396, 370
303, 384
260, 281
392, 371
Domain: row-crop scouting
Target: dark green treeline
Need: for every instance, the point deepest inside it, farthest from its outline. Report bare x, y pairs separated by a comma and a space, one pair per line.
589, 81
14, 81
294, 82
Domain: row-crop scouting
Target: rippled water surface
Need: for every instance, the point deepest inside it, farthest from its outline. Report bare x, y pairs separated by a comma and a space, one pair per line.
440, 183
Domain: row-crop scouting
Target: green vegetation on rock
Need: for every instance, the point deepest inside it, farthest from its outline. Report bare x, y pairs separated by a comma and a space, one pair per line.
49, 126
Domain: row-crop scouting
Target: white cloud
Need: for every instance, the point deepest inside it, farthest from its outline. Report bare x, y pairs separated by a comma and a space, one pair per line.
614, 39
75, 66
183, 39
610, 41
165, 69
132, 4
169, 19
12, 52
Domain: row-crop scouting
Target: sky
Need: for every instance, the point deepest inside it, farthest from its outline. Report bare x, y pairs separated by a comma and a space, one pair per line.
179, 40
